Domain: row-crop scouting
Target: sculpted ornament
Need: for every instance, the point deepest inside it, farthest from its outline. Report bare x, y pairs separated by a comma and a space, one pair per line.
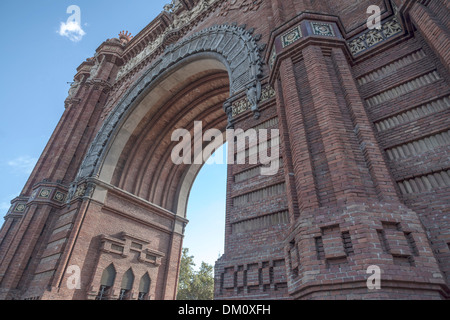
73, 89
254, 96
179, 22
95, 68
244, 5
173, 6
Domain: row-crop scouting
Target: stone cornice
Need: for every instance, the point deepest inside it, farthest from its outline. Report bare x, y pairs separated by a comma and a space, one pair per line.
166, 29
327, 31
237, 48
149, 33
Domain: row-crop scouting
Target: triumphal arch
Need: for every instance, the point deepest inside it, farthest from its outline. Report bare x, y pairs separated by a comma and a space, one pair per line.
363, 184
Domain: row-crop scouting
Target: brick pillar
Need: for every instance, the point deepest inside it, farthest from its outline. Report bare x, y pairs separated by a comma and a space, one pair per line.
301, 188
7, 231
58, 166
350, 216
20, 249
434, 31
339, 156
63, 154
278, 11
172, 265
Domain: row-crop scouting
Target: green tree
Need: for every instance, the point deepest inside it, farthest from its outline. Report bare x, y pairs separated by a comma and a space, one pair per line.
186, 275
195, 285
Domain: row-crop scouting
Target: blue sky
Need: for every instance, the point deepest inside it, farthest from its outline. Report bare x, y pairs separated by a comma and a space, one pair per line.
37, 64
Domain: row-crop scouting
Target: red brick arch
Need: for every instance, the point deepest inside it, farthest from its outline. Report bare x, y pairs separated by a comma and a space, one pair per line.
233, 47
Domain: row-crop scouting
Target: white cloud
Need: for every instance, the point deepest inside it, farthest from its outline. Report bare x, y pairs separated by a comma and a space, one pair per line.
24, 164
71, 30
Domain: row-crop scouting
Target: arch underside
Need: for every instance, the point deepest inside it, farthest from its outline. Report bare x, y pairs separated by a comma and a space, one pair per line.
190, 82
231, 47
144, 167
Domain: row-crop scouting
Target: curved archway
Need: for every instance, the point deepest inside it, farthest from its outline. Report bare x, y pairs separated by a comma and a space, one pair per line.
190, 82
233, 47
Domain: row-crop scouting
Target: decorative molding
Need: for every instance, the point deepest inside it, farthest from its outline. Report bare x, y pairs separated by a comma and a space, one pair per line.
242, 5
259, 223
322, 29
253, 277
20, 208
259, 195
173, 7
252, 173
393, 66
400, 244
271, 123
414, 148
80, 191
404, 88
44, 193
126, 243
273, 57
414, 113
425, 183
299, 32
371, 38
292, 36
59, 196
244, 104
180, 21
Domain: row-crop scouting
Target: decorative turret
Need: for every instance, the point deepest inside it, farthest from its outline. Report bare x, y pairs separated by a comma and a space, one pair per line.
125, 37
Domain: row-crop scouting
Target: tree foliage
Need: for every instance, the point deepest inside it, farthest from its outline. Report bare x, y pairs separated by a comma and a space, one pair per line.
195, 285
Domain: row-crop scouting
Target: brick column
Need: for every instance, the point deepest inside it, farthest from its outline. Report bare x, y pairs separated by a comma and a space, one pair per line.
301, 187
21, 248
336, 238
278, 11
434, 32
7, 232
59, 163
345, 177
63, 154
172, 265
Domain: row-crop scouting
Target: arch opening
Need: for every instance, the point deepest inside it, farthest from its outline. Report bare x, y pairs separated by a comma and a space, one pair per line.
206, 206
231, 47
139, 161
129, 163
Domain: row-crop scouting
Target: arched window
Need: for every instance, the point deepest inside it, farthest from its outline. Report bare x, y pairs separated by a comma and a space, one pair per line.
144, 287
106, 283
127, 285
